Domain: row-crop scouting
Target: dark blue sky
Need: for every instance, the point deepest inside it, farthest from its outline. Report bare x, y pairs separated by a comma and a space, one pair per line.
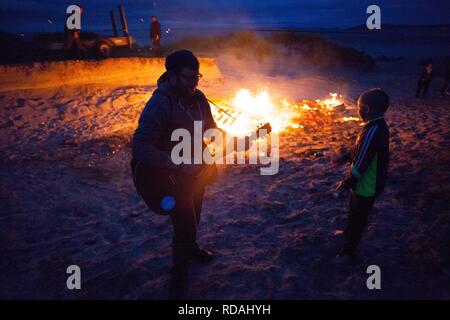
33, 15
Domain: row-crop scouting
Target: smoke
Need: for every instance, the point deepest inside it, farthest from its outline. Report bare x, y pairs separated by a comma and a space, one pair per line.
282, 61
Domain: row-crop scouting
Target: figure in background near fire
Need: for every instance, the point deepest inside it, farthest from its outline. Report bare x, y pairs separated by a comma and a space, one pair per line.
167, 188
72, 44
446, 79
424, 80
155, 36
369, 167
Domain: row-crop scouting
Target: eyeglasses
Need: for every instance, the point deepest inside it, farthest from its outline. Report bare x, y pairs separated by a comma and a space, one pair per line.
191, 78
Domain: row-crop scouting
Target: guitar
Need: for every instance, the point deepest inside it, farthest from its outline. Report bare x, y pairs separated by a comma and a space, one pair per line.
163, 189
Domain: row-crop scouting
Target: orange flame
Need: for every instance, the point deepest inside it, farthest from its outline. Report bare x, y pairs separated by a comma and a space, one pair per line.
249, 111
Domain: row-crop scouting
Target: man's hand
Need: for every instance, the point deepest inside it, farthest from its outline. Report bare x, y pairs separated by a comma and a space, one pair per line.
266, 127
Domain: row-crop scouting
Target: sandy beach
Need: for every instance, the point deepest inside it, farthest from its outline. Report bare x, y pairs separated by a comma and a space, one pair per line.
67, 196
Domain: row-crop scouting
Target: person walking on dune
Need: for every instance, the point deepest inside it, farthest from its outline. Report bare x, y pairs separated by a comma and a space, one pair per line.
155, 36
73, 47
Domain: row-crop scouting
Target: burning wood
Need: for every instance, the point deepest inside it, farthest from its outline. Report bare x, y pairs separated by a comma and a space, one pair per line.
243, 113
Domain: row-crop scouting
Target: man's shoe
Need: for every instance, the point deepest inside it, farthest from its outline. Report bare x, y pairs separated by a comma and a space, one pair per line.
202, 255
178, 281
346, 257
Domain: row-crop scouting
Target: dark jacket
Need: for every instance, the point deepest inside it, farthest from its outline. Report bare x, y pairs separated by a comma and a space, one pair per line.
163, 114
370, 159
155, 30
425, 76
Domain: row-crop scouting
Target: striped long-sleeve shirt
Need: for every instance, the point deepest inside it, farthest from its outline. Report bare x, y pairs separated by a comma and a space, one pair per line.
370, 159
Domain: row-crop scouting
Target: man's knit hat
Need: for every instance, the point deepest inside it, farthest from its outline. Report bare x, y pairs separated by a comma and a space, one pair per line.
181, 59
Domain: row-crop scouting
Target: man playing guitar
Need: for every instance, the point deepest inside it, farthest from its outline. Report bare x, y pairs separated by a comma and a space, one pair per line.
167, 188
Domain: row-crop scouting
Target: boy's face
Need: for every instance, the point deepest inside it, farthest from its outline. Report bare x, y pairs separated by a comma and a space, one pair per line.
363, 110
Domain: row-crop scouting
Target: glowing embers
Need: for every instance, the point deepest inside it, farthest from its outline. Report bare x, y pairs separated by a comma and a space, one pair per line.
332, 102
350, 119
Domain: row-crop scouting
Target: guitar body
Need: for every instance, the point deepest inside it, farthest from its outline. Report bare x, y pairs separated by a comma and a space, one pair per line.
164, 190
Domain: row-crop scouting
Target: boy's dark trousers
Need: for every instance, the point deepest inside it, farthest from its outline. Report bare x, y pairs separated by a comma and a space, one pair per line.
422, 85
360, 208
445, 86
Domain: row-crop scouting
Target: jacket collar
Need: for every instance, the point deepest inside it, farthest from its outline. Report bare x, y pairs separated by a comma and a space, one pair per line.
373, 121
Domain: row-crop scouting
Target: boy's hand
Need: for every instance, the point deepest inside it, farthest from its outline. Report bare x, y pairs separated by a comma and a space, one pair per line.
341, 186
341, 158
346, 184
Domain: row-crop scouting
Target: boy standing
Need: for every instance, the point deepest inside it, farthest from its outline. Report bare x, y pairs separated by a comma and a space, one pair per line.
369, 166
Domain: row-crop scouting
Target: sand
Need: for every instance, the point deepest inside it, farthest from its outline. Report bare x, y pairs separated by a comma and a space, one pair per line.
67, 196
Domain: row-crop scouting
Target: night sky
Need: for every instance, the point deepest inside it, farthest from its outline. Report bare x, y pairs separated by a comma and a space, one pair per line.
34, 14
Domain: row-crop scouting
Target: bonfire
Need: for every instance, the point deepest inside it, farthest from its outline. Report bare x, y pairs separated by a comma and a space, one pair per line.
243, 113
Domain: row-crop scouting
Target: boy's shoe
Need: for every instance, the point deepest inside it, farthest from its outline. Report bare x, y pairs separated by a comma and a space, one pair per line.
342, 260
202, 255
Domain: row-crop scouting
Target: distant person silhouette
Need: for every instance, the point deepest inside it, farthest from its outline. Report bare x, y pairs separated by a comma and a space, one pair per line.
155, 36
72, 44
446, 79
424, 80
